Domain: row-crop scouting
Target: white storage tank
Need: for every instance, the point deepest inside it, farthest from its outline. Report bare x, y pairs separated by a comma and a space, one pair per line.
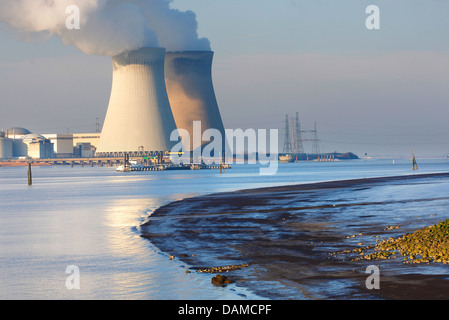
5, 147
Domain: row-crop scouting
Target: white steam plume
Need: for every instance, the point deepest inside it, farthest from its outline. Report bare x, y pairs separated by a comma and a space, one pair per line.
108, 27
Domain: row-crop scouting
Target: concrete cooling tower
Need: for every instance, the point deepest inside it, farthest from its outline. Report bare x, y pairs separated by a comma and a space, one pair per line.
139, 119
188, 77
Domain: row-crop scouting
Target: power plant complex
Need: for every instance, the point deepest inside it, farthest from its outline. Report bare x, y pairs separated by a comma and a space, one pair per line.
153, 93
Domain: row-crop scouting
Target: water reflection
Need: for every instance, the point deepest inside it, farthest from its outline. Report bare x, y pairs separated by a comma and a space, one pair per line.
142, 271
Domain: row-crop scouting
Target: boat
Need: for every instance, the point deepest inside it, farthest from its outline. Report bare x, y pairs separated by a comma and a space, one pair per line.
133, 165
123, 168
286, 158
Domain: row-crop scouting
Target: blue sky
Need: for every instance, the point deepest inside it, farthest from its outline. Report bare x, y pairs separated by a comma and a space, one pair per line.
370, 91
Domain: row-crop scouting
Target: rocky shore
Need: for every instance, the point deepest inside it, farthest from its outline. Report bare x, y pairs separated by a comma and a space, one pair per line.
427, 245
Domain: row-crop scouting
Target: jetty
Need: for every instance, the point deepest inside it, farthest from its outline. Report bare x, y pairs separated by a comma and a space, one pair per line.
139, 167
123, 164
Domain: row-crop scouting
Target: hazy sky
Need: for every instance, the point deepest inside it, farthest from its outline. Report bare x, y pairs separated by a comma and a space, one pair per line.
369, 91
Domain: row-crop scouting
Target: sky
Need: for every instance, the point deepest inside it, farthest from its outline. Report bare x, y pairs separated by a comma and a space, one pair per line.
374, 92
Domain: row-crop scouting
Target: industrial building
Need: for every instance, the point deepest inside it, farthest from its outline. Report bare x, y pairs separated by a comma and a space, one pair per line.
16, 132
92, 138
38, 146
139, 120
40, 149
63, 144
20, 143
83, 150
188, 77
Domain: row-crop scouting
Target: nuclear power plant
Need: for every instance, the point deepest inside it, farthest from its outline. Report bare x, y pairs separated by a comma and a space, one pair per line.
188, 77
139, 119
153, 93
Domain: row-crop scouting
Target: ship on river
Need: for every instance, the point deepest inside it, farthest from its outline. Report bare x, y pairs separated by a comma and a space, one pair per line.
334, 156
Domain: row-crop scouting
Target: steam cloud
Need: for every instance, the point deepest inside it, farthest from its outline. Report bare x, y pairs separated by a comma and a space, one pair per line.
108, 27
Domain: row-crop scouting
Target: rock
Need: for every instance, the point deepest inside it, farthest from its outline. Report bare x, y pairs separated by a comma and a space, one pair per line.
426, 245
220, 280
224, 268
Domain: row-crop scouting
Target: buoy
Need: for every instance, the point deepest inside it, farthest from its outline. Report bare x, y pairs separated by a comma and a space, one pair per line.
415, 164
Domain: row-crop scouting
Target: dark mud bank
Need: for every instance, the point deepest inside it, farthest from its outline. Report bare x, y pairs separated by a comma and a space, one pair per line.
286, 236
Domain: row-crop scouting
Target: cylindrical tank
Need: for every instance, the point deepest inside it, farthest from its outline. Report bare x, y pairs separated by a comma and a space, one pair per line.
188, 76
139, 118
19, 148
6, 148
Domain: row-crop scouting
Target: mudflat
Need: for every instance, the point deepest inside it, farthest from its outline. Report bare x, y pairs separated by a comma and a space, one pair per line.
300, 241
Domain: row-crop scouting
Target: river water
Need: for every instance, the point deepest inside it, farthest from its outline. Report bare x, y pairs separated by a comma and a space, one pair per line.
90, 218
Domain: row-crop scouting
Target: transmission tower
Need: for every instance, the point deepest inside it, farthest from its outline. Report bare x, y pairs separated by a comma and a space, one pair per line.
316, 142
299, 148
287, 141
292, 135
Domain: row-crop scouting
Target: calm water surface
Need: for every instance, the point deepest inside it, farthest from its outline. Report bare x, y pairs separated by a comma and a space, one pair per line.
90, 218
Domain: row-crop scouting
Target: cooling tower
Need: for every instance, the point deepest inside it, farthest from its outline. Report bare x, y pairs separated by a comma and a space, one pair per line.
188, 76
139, 119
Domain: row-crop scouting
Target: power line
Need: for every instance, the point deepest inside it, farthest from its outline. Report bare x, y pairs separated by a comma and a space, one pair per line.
293, 140
299, 148
287, 142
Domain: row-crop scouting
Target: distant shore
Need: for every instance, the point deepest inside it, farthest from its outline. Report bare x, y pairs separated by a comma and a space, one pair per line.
21, 163
288, 235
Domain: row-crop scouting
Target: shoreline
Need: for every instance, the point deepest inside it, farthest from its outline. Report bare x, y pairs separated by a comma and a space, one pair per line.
22, 163
287, 234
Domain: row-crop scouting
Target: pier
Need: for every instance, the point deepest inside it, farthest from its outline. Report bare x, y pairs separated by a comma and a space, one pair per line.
91, 162
128, 166
169, 167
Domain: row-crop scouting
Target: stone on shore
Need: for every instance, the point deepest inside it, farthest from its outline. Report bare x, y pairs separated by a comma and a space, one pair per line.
220, 280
